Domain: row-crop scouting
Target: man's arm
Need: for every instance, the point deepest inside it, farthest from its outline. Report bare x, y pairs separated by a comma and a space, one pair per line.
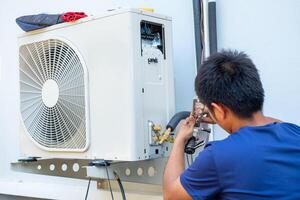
172, 187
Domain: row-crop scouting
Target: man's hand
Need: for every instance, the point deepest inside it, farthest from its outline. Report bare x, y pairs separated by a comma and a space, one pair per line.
172, 187
186, 129
171, 184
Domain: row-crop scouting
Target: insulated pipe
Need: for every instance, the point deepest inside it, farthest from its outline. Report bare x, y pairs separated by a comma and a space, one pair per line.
176, 119
171, 126
197, 30
212, 24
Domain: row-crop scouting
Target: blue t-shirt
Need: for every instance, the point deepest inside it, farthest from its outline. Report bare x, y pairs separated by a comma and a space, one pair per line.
261, 162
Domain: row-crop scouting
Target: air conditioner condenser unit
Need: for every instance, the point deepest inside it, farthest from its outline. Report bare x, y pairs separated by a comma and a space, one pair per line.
94, 89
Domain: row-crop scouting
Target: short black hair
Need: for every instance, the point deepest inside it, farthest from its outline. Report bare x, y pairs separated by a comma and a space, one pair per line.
230, 78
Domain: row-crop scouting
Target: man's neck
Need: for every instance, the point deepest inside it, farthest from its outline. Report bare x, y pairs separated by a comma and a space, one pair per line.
257, 119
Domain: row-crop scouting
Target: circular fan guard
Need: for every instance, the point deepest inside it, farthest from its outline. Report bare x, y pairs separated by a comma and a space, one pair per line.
61, 124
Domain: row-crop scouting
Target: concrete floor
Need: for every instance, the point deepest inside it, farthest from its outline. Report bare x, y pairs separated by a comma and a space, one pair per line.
8, 197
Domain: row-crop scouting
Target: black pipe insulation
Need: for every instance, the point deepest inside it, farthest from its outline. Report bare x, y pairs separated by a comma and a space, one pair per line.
212, 24
176, 119
197, 29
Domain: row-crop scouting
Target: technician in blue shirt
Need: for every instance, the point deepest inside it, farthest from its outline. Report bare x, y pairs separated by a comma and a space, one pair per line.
261, 157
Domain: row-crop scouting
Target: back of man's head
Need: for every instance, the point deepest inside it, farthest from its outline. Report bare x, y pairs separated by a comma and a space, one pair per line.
230, 78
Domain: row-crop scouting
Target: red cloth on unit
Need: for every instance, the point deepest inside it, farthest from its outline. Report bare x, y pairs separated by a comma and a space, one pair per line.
73, 16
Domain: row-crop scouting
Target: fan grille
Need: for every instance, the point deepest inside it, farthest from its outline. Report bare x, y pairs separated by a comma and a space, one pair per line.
61, 126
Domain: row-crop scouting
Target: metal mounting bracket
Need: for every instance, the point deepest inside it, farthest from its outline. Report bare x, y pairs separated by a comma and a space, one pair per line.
147, 171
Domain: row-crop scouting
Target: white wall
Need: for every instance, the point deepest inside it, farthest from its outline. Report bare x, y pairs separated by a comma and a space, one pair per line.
184, 63
269, 31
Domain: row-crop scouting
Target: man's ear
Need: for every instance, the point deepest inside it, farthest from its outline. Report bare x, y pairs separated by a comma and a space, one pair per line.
219, 111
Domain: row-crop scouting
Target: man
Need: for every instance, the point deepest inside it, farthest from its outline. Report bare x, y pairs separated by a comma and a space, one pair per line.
261, 157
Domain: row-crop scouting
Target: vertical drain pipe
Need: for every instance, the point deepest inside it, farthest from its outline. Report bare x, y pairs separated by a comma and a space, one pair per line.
212, 24
197, 29
210, 45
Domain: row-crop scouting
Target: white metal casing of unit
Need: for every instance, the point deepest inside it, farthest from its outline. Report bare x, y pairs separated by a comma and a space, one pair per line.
126, 87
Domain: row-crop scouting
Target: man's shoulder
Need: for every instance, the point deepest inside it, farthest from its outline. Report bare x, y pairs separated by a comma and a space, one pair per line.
243, 134
247, 139
290, 126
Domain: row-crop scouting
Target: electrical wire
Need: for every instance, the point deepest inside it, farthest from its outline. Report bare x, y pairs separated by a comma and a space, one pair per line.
88, 188
120, 185
112, 195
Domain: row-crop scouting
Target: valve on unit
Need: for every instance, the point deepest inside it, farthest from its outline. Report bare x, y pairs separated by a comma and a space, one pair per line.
200, 127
